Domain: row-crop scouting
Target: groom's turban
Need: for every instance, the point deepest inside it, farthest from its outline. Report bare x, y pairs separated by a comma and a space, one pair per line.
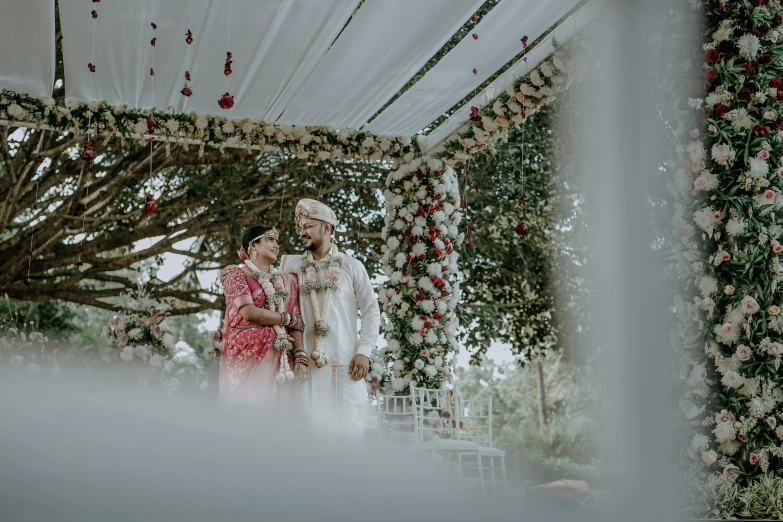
308, 209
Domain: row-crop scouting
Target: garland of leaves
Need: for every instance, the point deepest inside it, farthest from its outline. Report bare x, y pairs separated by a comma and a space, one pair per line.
318, 143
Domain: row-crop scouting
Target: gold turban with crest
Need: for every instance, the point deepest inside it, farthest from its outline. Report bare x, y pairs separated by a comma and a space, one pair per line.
308, 209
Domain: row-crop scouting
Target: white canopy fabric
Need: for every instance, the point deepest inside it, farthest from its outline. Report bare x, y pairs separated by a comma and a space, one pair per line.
27, 46
499, 35
294, 61
275, 45
385, 44
563, 33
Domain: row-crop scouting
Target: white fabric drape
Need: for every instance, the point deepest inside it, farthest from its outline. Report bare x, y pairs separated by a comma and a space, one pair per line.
385, 44
27, 46
563, 33
275, 45
499, 35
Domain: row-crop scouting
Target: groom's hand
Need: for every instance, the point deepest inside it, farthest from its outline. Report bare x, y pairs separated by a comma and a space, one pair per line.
224, 273
359, 367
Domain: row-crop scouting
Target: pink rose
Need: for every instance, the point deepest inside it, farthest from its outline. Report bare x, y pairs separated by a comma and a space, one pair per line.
268, 288
694, 133
724, 416
414, 371
310, 275
279, 284
774, 310
769, 115
779, 432
777, 248
725, 256
780, 173
716, 215
707, 304
743, 353
727, 328
775, 349
748, 182
709, 457
700, 183
696, 167
763, 154
409, 217
742, 438
712, 128
728, 289
729, 471
769, 195
333, 273
749, 305
772, 421
425, 353
754, 459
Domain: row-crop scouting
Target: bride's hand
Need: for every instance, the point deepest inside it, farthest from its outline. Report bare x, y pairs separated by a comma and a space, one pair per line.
224, 273
300, 370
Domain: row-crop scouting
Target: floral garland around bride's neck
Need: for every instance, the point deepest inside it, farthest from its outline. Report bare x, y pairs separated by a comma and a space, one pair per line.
273, 285
312, 285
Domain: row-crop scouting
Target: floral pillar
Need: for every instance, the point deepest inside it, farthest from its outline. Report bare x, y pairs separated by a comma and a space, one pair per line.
420, 260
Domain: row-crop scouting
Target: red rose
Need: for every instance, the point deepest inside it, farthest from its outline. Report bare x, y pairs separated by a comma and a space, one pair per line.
775, 83
726, 46
780, 95
437, 252
187, 92
754, 111
765, 58
778, 123
94, 13
187, 75
226, 102
756, 33
747, 69
761, 130
91, 67
189, 37
712, 56
710, 74
474, 114
154, 25
744, 94
719, 110
763, 29
778, 20
153, 41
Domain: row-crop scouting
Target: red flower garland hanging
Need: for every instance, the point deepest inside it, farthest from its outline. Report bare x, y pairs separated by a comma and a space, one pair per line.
150, 207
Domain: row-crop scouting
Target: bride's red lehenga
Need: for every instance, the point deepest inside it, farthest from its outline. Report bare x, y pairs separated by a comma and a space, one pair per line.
249, 362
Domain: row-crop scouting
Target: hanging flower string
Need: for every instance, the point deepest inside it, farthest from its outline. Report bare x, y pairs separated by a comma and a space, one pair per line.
227, 101
150, 206
521, 228
186, 90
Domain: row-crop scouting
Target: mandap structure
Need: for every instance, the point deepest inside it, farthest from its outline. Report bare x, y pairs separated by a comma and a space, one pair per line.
317, 80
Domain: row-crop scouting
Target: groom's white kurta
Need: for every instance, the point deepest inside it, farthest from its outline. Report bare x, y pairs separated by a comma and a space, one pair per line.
331, 393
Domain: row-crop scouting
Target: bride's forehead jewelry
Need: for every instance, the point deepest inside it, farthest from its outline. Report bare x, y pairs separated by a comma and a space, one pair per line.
272, 233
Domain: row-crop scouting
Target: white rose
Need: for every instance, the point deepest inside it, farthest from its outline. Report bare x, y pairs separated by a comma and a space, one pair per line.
709, 457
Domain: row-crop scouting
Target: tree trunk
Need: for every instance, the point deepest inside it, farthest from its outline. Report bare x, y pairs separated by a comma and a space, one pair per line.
541, 394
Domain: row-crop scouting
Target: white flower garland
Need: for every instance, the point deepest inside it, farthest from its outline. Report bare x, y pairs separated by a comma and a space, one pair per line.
313, 285
273, 286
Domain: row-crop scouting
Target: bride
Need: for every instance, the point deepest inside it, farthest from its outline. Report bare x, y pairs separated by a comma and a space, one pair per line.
262, 327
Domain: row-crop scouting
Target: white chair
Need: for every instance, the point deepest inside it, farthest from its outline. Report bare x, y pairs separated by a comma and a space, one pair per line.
476, 416
437, 425
395, 418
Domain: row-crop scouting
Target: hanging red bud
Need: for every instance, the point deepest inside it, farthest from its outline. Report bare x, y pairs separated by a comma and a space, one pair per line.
473, 19
475, 71
88, 154
94, 14
154, 25
189, 37
152, 72
152, 42
226, 102
150, 207
187, 91
524, 41
91, 67
474, 114
151, 124
521, 229
187, 75
475, 36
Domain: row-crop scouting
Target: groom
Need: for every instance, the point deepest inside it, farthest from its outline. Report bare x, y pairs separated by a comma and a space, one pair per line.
336, 388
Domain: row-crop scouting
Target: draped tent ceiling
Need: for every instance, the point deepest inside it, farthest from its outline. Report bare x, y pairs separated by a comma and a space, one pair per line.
294, 61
